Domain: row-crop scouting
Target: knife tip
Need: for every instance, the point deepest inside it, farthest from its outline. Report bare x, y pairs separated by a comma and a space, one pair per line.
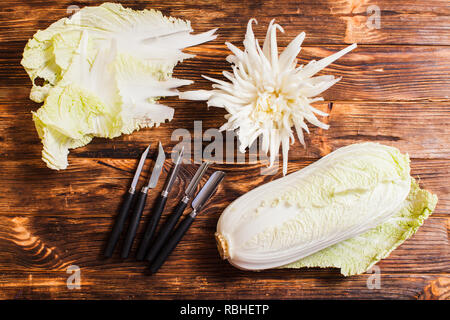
180, 154
144, 154
161, 150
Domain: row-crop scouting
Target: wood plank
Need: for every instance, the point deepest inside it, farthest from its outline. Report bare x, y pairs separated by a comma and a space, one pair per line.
282, 285
394, 73
401, 22
368, 73
30, 188
394, 90
414, 127
36, 243
438, 289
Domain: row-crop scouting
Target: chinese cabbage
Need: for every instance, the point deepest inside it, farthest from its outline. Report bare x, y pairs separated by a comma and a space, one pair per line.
145, 35
103, 72
340, 206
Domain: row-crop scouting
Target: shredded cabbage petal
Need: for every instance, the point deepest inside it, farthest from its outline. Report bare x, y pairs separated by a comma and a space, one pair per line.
103, 72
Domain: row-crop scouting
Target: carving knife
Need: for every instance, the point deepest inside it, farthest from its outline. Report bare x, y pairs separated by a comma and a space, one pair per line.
140, 204
175, 216
159, 208
200, 200
124, 210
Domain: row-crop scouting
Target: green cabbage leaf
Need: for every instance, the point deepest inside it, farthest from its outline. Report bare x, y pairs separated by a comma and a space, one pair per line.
360, 253
101, 74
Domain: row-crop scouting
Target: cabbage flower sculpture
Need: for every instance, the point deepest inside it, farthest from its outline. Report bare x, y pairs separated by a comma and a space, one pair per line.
267, 94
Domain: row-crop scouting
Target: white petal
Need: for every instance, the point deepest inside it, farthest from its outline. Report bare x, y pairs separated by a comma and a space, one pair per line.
236, 51
289, 54
274, 46
201, 95
315, 66
266, 45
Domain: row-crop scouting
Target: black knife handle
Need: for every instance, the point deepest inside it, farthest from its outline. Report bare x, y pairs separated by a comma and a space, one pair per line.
166, 229
171, 243
119, 224
151, 227
134, 223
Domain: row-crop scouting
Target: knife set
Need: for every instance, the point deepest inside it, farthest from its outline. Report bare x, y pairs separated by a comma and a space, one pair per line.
157, 251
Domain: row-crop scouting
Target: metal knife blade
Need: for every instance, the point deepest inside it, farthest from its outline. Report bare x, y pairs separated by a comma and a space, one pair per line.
174, 173
139, 168
190, 190
159, 164
207, 191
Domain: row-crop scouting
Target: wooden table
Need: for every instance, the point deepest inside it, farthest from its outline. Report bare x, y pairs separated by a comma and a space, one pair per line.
395, 90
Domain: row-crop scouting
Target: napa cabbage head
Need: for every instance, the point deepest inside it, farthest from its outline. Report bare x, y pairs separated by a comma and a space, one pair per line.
296, 220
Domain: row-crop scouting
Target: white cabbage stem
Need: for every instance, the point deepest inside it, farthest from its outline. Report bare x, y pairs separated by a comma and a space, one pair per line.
344, 194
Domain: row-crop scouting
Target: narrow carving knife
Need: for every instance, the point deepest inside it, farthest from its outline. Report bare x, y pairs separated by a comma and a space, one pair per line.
140, 204
174, 217
124, 210
159, 208
200, 200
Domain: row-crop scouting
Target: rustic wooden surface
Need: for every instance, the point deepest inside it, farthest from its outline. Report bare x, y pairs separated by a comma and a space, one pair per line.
395, 90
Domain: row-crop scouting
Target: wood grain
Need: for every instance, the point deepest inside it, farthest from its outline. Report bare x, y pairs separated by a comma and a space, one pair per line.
437, 290
73, 192
414, 127
394, 90
325, 22
380, 73
52, 243
320, 284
